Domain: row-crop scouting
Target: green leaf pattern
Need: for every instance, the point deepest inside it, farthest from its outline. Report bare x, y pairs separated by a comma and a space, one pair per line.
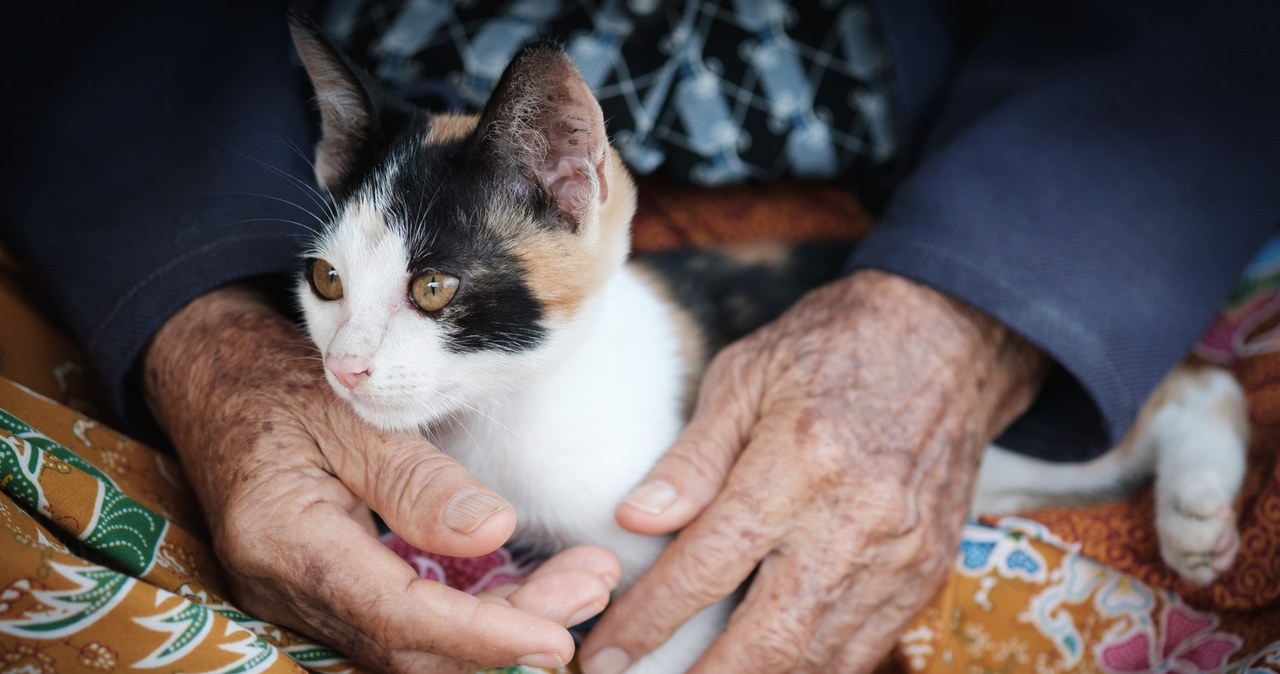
124, 531
97, 590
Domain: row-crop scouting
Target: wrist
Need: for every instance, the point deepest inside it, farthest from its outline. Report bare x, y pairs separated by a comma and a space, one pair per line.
1004, 369
912, 342
217, 375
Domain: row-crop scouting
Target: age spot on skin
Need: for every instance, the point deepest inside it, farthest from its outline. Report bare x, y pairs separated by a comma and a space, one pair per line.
804, 425
268, 427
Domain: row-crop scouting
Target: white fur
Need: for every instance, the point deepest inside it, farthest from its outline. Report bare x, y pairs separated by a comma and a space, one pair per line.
1193, 444
563, 431
569, 445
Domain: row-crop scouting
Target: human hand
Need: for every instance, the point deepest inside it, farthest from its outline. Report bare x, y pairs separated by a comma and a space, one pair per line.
285, 473
837, 449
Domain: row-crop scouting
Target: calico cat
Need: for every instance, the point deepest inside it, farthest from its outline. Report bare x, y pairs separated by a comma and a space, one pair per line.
473, 284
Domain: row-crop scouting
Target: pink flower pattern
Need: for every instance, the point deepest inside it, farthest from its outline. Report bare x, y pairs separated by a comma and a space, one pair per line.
1186, 644
472, 575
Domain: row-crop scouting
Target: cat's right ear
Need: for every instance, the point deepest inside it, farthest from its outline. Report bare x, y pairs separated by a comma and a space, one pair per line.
348, 114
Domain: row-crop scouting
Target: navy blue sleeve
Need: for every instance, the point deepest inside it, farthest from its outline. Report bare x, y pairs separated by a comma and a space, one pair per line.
1095, 176
158, 150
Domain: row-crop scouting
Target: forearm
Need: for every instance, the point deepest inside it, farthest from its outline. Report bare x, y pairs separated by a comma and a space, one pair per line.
214, 383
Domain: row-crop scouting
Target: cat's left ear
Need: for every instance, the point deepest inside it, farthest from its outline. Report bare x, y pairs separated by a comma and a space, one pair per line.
349, 113
545, 117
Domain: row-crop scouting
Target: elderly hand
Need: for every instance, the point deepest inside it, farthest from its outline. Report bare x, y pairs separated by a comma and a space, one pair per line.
836, 448
284, 471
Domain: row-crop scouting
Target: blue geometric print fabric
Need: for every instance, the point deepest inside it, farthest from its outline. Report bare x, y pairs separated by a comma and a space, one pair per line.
716, 92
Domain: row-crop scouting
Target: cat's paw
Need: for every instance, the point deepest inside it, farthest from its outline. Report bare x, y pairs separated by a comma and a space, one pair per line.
1197, 530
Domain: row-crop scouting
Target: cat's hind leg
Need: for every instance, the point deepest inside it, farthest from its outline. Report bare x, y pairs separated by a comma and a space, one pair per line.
1200, 430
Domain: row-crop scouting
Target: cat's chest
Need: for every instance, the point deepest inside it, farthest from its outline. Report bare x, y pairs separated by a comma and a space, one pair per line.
566, 446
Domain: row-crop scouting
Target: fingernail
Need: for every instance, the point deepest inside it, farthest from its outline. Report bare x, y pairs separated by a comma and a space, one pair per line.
468, 509
543, 660
610, 582
609, 661
585, 613
652, 497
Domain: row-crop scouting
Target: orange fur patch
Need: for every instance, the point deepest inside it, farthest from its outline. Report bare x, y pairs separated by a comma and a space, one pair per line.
772, 254
445, 128
564, 268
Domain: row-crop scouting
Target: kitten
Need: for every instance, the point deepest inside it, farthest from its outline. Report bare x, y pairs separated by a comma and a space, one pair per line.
473, 284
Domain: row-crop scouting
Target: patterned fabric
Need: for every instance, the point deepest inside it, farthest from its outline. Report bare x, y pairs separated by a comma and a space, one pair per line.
1022, 599
105, 565
718, 92
1248, 326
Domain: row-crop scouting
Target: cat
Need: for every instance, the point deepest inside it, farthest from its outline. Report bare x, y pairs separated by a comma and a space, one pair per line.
474, 284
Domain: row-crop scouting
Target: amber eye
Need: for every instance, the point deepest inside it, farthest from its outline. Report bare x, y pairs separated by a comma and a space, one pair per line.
325, 280
432, 292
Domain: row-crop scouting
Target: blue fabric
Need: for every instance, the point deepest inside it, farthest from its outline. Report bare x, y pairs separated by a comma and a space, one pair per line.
153, 152
1093, 174
1096, 176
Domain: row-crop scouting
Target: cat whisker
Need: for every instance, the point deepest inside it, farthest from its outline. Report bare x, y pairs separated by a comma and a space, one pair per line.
308, 189
489, 417
283, 201
428, 432
302, 225
452, 416
326, 201
314, 360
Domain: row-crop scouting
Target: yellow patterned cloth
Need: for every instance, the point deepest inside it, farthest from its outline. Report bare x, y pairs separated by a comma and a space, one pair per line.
105, 565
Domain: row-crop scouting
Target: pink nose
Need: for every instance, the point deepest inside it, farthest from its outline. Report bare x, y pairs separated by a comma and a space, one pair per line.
349, 369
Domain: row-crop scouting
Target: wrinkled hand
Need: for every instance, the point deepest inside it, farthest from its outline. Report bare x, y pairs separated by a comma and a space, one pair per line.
836, 448
284, 470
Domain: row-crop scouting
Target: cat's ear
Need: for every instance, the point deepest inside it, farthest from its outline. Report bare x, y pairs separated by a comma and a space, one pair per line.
545, 117
348, 114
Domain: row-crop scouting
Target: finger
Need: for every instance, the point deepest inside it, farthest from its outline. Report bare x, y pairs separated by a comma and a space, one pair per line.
704, 564
422, 494
866, 647
861, 628
568, 588
589, 558
376, 602
566, 597
694, 469
786, 604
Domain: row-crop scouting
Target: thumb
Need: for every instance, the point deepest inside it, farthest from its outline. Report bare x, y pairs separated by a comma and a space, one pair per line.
424, 495
693, 470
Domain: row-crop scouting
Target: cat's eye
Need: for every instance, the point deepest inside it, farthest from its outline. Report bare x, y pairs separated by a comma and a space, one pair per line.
432, 291
324, 279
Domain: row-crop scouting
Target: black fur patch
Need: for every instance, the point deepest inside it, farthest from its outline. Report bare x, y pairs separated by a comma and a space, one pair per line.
445, 199
730, 298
